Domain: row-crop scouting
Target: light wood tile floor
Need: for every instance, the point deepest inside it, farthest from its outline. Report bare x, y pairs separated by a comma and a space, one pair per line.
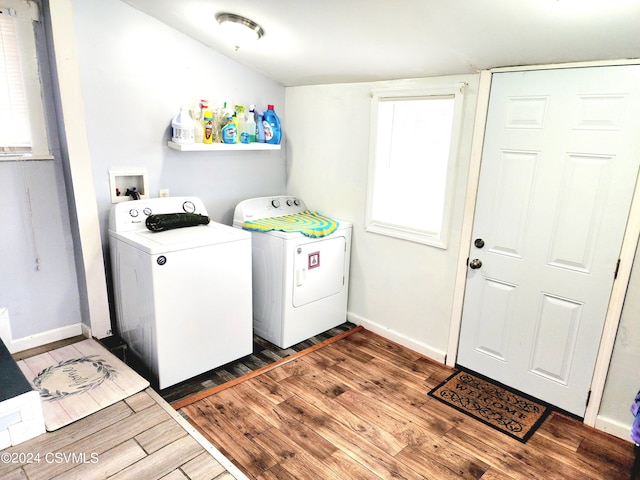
139, 438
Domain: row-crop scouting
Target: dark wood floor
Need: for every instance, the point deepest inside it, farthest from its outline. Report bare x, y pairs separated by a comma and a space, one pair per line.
358, 409
264, 354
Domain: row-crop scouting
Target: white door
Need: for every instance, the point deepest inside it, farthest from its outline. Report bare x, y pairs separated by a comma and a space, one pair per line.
559, 166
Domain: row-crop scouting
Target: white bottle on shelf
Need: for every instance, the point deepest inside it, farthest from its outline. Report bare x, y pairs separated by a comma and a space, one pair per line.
250, 124
182, 128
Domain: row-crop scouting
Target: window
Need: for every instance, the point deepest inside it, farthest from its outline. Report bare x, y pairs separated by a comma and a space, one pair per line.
414, 146
22, 127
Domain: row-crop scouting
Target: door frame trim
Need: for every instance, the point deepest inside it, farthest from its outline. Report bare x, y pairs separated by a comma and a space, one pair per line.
473, 180
627, 252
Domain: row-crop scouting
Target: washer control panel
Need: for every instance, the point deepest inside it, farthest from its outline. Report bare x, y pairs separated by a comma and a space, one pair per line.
130, 216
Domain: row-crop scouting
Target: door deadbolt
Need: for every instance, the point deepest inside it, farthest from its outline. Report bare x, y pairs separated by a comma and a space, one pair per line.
475, 263
478, 242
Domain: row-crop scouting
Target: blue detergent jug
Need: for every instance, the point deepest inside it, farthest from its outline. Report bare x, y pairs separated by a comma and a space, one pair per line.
272, 131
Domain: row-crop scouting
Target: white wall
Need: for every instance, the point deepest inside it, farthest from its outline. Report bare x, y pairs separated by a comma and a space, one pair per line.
136, 73
623, 379
38, 283
401, 289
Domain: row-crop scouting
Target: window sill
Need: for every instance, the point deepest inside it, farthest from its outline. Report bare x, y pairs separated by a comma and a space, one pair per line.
22, 158
415, 236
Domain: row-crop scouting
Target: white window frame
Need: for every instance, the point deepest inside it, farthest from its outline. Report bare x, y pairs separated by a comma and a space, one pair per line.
438, 238
25, 14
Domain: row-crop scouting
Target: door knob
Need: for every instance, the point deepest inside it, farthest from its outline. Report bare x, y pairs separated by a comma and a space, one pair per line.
478, 242
475, 263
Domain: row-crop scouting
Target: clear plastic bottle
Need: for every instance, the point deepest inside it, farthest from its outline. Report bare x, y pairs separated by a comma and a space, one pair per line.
251, 124
240, 120
204, 105
260, 128
198, 125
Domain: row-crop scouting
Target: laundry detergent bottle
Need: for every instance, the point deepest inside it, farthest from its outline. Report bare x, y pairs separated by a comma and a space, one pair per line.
272, 131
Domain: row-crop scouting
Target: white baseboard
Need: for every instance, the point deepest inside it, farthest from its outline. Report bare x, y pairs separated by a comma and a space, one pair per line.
39, 339
86, 330
422, 348
615, 427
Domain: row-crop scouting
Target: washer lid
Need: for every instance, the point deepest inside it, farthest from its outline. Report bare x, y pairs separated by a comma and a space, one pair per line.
181, 238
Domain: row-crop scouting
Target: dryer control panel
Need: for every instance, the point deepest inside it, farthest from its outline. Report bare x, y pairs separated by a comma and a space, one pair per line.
131, 216
267, 207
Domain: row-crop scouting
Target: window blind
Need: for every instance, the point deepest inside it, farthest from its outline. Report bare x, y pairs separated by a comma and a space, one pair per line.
23, 129
15, 131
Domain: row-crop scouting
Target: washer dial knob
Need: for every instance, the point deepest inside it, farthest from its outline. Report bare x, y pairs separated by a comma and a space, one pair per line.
188, 207
275, 203
133, 212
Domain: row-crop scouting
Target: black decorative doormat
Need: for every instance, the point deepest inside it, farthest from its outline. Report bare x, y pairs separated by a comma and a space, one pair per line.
514, 414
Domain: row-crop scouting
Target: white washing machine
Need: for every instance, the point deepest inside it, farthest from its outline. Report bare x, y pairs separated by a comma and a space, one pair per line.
300, 283
183, 296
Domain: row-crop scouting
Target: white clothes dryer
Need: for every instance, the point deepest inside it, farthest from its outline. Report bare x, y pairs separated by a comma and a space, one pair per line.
182, 296
300, 283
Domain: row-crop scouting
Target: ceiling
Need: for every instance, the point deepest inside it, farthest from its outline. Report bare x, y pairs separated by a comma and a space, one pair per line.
333, 41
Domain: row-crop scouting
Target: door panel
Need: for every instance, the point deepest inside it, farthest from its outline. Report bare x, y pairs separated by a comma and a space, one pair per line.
578, 215
318, 270
516, 173
497, 307
555, 338
559, 167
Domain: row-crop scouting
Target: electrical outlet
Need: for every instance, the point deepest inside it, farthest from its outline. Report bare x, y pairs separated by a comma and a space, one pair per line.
163, 193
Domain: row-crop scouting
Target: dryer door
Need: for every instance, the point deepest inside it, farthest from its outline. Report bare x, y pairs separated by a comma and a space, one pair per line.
318, 270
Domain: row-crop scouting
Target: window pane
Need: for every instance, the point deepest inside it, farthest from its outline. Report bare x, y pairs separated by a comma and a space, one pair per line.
15, 133
414, 145
412, 158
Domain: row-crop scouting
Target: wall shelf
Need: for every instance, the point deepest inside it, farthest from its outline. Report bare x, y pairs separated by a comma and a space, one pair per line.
221, 147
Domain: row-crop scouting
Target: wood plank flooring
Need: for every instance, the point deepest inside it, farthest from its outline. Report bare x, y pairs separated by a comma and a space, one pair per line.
264, 353
138, 438
358, 409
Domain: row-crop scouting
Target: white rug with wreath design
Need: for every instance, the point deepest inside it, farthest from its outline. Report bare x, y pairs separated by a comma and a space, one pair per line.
78, 380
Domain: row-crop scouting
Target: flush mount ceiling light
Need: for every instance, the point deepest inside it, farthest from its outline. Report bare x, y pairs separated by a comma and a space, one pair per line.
239, 30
